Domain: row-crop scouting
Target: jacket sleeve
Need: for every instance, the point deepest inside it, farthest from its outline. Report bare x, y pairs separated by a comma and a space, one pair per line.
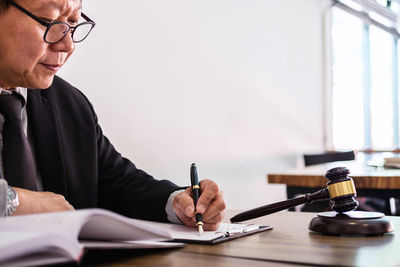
89, 171
126, 189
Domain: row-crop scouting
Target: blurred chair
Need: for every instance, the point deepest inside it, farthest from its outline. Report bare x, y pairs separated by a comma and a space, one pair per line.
313, 159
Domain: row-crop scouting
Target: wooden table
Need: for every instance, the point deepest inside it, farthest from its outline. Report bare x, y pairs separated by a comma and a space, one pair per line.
290, 242
364, 176
369, 181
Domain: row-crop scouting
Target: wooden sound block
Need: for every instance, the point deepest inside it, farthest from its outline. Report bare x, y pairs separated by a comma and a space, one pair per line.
351, 223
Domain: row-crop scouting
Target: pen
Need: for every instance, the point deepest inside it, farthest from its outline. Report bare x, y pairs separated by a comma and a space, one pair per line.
194, 179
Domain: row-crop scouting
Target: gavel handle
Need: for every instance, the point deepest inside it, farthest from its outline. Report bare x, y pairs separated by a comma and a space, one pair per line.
275, 207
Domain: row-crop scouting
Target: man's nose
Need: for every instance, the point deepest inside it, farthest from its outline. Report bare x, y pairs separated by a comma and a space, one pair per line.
66, 44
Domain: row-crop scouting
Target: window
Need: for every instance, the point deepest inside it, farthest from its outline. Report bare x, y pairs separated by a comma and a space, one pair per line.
364, 74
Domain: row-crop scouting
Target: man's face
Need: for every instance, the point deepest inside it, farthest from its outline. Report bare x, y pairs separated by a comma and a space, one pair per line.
26, 60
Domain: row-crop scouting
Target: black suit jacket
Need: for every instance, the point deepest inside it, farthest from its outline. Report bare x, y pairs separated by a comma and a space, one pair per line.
77, 161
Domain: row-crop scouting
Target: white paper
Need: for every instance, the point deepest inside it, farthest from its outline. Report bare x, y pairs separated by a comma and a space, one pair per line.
182, 232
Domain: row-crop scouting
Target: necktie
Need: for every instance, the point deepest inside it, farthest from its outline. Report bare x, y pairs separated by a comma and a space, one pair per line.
19, 167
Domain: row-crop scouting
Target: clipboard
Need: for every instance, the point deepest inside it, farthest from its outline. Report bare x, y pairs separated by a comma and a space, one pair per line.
226, 232
229, 235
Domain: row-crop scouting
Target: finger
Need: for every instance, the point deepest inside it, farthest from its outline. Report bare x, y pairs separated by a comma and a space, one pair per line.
70, 207
57, 197
216, 206
216, 219
211, 226
62, 206
209, 190
183, 205
189, 223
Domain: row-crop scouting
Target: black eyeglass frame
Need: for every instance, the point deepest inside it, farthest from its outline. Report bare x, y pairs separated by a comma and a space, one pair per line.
48, 25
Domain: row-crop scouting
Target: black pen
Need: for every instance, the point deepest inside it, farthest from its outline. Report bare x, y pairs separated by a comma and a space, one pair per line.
194, 179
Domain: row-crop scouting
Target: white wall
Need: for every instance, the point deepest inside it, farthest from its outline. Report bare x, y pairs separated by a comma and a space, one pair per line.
233, 85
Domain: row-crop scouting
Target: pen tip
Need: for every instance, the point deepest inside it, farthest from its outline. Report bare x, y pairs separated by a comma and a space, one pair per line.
193, 164
200, 229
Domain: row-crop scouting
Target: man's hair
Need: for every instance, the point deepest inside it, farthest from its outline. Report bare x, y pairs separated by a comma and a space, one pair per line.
3, 5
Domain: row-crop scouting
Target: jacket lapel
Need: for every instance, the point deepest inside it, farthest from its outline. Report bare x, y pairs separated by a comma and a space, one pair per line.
43, 126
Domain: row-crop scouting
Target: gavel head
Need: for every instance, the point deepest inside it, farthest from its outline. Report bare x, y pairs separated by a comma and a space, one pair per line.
341, 189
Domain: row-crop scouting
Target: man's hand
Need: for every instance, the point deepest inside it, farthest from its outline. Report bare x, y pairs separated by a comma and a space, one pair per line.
211, 204
40, 202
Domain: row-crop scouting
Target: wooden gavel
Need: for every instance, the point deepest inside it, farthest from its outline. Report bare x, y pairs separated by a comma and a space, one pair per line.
340, 190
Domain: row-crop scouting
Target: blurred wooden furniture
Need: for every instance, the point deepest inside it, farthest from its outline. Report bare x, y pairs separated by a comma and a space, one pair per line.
289, 243
369, 181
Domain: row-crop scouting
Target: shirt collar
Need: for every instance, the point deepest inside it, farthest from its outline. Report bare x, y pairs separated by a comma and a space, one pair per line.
20, 90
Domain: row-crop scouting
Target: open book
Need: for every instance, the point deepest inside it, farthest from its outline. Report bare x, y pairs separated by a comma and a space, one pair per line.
49, 238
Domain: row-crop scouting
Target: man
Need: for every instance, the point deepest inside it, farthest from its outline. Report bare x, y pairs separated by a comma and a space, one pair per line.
75, 164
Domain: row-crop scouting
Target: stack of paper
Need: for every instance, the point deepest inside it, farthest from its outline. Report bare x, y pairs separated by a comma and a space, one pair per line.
392, 162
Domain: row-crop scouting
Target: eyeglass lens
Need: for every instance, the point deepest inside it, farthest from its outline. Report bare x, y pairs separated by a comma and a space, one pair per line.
58, 30
81, 32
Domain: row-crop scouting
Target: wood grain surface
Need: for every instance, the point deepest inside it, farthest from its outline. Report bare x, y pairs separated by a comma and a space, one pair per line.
364, 176
289, 243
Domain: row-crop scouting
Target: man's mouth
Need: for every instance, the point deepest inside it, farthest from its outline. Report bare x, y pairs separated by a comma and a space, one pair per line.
52, 67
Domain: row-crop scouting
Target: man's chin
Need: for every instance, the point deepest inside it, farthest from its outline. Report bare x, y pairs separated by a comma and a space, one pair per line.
42, 84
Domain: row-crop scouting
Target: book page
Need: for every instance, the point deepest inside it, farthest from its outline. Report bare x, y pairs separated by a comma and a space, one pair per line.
90, 244
95, 224
22, 244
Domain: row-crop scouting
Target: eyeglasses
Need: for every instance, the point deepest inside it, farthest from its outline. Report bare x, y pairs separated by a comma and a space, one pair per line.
57, 30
